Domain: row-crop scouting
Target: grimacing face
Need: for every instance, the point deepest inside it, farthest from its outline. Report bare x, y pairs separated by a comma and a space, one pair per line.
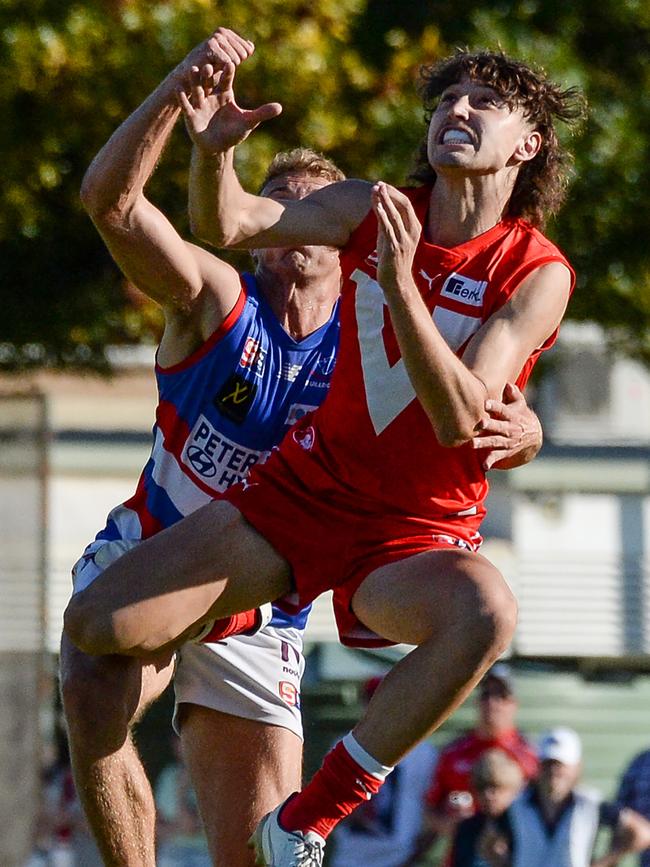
474, 130
295, 263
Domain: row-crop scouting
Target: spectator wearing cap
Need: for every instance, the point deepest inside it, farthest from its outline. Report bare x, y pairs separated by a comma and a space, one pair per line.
554, 822
451, 797
485, 839
634, 792
385, 831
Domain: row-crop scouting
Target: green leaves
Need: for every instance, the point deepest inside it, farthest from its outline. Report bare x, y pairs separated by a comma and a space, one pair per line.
345, 72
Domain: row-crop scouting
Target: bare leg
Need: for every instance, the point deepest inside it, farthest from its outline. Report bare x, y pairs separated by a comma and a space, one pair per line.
459, 611
241, 770
209, 565
102, 698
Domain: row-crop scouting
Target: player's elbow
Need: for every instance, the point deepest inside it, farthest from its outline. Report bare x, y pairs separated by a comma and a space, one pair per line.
209, 232
92, 194
103, 206
458, 422
455, 429
451, 436
217, 233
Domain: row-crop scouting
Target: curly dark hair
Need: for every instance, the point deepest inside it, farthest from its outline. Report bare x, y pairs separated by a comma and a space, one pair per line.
542, 182
302, 161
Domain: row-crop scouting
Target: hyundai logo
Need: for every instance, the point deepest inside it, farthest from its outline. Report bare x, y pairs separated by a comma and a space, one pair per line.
201, 462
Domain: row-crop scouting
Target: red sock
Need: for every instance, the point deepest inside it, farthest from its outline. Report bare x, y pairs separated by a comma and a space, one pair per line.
335, 790
236, 624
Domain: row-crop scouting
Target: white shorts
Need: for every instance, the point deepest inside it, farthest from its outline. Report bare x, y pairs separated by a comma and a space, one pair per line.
256, 677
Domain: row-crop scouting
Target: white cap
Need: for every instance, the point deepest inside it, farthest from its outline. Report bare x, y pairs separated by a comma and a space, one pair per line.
502, 672
561, 744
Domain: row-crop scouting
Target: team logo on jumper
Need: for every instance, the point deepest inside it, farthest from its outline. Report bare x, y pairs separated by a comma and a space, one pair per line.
235, 398
253, 356
290, 371
200, 461
218, 461
289, 693
429, 280
305, 438
297, 411
372, 259
464, 289
321, 372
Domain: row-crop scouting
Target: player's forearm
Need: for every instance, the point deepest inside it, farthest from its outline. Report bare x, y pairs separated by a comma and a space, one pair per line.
218, 204
119, 172
450, 394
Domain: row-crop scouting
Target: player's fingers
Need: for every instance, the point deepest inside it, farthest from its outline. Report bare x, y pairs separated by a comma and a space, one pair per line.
492, 442
403, 206
206, 74
227, 77
230, 45
512, 393
185, 104
495, 408
495, 456
384, 223
265, 112
498, 426
196, 90
389, 210
245, 46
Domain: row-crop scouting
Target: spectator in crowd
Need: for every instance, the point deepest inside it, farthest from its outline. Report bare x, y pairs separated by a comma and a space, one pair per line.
554, 823
181, 840
384, 831
451, 797
634, 792
485, 839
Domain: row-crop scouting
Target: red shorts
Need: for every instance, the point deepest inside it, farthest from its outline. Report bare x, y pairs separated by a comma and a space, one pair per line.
331, 546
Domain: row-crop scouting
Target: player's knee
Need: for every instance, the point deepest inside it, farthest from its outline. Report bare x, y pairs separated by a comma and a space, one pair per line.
99, 632
495, 620
85, 626
99, 696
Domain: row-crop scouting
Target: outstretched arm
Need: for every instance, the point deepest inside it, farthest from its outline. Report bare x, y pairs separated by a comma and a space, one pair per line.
142, 241
511, 435
222, 213
453, 391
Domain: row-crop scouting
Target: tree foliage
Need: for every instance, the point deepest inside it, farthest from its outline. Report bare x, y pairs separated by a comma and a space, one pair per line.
345, 72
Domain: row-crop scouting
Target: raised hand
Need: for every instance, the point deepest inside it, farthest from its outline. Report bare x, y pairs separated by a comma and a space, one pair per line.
213, 119
398, 233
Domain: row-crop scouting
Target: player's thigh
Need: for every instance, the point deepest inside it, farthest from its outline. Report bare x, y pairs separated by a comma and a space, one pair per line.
241, 769
100, 692
418, 598
210, 564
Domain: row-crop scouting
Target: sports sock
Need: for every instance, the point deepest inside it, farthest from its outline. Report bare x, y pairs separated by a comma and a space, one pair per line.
340, 785
236, 624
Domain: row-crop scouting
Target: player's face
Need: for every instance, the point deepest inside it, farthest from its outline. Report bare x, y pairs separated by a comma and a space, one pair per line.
295, 264
473, 131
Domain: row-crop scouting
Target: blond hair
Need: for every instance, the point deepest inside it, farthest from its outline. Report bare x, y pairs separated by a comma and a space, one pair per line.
302, 161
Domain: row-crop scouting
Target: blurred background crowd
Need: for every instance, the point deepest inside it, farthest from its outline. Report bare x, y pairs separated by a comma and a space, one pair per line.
492, 796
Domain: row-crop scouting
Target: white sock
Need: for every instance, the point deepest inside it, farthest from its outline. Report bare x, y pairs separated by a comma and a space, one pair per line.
364, 759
